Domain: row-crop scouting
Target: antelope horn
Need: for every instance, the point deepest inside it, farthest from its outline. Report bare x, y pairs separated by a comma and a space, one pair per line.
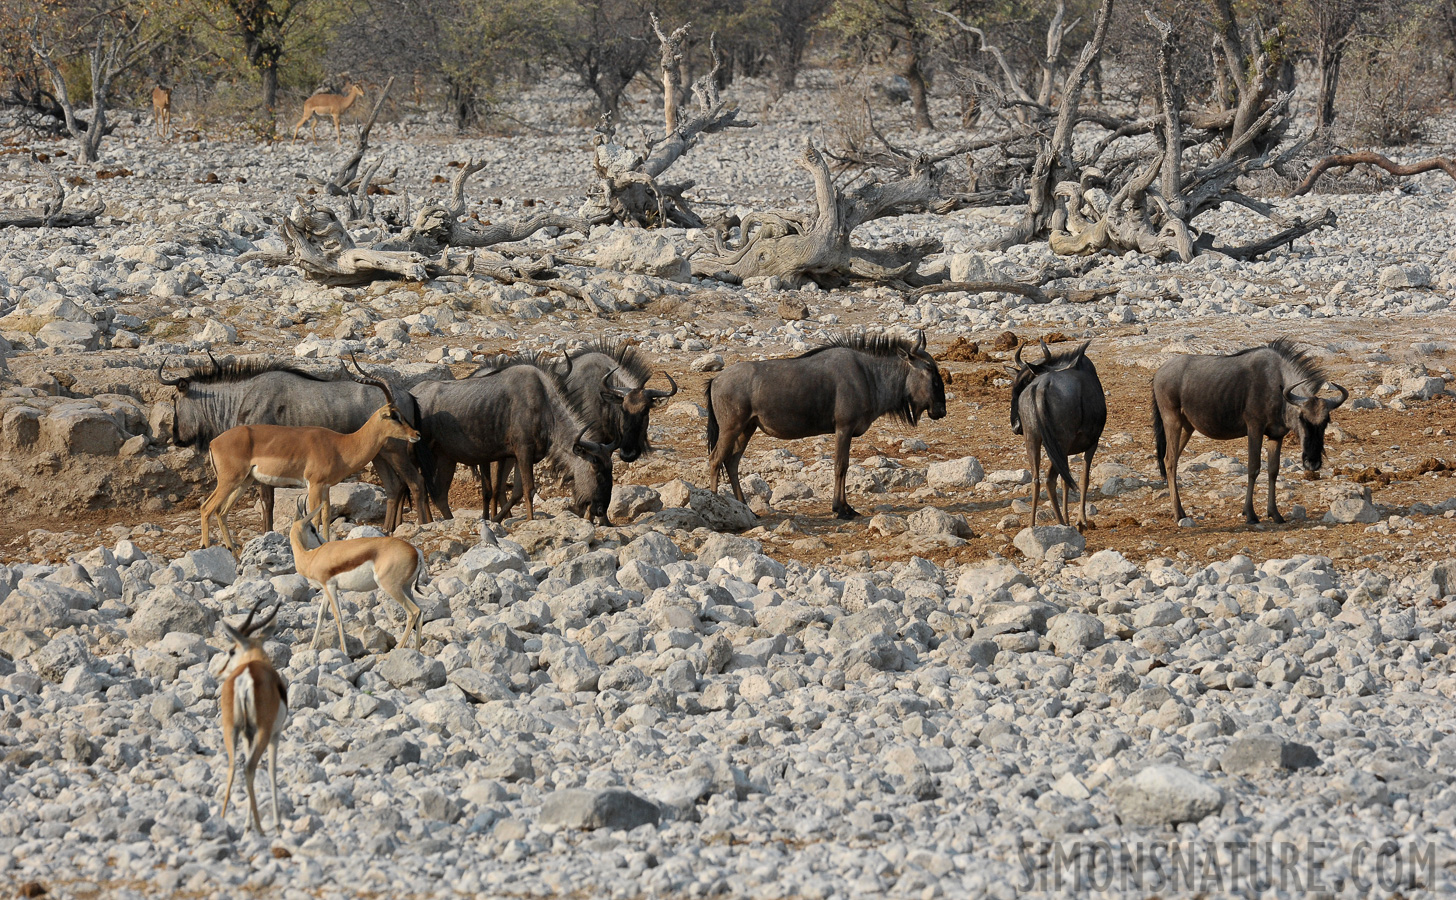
369, 379
162, 376
247, 625
268, 619
663, 395
607, 383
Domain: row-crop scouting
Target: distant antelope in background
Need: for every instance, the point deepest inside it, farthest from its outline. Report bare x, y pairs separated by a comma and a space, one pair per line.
332, 105
161, 109
254, 701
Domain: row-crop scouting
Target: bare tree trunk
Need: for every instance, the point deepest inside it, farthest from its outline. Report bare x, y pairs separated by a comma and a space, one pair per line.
919, 92
1329, 60
672, 59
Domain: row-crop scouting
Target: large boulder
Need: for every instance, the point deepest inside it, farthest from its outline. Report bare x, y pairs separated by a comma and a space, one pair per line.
645, 252
719, 512
1165, 795
166, 609
1043, 541
585, 809
955, 474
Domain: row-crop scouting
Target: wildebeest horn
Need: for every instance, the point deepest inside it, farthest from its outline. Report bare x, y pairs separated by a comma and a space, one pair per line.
1296, 399
216, 366
1046, 352
1019, 364
366, 378
920, 342
663, 395
591, 447
567, 355
1344, 395
608, 385
162, 376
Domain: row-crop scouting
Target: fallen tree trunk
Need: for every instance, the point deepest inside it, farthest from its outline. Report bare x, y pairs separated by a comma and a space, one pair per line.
52, 213
1371, 158
439, 225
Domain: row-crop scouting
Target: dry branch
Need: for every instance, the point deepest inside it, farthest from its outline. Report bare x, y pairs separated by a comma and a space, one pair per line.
1371, 158
440, 225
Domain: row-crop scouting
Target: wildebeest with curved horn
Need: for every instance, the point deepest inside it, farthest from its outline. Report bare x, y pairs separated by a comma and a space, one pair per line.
1058, 404
209, 401
841, 388
1262, 392
519, 413
608, 381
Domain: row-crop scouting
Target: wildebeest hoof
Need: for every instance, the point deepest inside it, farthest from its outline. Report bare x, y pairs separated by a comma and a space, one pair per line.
1088, 525
846, 513
1276, 518
1251, 519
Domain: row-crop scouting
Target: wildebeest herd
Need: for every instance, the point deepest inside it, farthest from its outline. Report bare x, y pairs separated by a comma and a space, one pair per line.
281, 427
263, 423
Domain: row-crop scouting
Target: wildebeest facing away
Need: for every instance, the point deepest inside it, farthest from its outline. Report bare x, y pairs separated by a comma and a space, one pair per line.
261, 392
518, 413
1262, 392
1058, 404
840, 388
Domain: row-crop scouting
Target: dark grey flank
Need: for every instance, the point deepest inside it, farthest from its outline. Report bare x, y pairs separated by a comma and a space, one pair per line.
840, 388
1261, 393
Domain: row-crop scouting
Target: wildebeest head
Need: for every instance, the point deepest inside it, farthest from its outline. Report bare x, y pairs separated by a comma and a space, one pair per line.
1024, 373
187, 413
1311, 416
591, 496
924, 387
635, 404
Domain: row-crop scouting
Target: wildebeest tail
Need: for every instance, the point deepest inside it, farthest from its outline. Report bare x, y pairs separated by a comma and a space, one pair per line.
1055, 454
712, 418
1160, 438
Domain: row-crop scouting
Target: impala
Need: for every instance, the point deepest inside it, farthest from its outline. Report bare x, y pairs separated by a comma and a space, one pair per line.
332, 105
361, 564
161, 109
298, 457
254, 701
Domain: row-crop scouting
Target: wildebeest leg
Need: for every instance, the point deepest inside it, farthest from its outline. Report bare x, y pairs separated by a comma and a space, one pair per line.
1083, 523
1274, 449
1255, 439
444, 477
733, 457
528, 485
842, 509
1033, 458
1178, 435
487, 499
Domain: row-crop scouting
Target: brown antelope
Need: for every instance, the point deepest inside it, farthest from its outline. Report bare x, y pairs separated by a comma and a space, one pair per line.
254, 703
296, 456
332, 105
361, 564
161, 109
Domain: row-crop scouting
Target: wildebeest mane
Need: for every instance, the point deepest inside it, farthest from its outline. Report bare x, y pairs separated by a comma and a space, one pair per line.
502, 361
623, 352
245, 368
1298, 359
874, 343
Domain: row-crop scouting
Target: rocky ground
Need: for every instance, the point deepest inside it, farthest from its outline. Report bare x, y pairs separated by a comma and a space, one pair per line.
708, 700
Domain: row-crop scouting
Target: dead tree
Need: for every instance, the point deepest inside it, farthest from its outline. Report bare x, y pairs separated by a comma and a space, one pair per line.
116, 48
816, 247
440, 225
1347, 161
52, 212
631, 189
347, 180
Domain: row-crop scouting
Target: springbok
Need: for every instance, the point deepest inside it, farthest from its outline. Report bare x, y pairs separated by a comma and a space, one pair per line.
254, 701
362, 564
296, 456
332, 105
161, 109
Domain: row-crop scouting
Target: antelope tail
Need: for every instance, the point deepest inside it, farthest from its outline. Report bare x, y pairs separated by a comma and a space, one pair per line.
712, 418
1055, 454
1160, 438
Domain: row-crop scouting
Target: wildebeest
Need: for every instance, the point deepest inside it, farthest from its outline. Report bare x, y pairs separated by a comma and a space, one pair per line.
518, 413
209, 401
841, 388
1262, 392
608, 381
1059, 405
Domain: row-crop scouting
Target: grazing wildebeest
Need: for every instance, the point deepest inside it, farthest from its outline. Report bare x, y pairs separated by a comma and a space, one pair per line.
1262, 392
518, 413
840, 388
1058, 404
262, 392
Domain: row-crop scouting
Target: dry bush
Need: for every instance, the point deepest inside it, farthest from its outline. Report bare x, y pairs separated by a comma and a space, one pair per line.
1389, 86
